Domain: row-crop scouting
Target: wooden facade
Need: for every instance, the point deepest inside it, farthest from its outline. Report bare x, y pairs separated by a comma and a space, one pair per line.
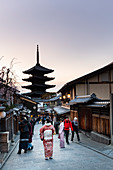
94, 118
85, 117
101, 121
73, 113
101, 124
99, 82
8, 129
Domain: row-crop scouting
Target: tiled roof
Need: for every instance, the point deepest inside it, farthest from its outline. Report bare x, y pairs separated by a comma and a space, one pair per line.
61, 110
83, 99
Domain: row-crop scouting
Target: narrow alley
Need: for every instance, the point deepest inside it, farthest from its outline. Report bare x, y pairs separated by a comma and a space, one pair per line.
72, 157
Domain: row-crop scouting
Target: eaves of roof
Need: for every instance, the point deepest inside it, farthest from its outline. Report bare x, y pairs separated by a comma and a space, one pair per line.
39, 68
105, 68
28, 99
99, 104
84, 99
60, 110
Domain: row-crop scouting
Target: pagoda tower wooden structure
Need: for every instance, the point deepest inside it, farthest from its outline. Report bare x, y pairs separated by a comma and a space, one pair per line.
37, 79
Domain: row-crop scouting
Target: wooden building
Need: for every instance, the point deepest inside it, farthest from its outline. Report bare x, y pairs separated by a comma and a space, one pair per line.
99, 82
29, 104
94, 115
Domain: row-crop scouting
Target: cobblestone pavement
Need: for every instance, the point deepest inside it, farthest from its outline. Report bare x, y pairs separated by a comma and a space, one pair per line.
73, 157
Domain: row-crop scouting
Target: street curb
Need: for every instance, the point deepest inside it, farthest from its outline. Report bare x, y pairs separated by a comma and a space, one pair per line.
95, 150
9, 153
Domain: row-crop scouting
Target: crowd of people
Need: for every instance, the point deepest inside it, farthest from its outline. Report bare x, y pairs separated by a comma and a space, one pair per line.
46, 133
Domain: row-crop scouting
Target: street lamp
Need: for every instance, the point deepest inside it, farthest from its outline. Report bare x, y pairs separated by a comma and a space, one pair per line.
2, 113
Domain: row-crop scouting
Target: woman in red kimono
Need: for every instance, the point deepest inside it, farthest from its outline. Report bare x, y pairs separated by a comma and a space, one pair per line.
47, 132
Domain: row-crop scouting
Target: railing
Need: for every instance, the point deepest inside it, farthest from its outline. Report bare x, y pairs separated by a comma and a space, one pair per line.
10, 124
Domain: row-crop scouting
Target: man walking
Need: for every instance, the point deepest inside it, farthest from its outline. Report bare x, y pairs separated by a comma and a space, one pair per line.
75, 129
67, 125
24, 128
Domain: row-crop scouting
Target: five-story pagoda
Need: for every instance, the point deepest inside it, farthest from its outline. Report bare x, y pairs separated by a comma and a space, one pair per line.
37, 79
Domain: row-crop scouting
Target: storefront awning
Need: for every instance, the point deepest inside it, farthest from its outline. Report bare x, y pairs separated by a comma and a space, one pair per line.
61, 110
49, 110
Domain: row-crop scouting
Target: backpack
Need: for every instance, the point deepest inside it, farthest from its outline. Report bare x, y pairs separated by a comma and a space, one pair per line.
66, 122
24, 128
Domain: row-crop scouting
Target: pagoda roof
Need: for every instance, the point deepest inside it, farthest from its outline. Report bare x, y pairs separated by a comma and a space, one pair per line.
45, 78
34, 94
37, 86
38, 68
45, 86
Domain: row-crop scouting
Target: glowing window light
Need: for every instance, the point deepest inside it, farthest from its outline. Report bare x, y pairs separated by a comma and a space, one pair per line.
68, 96
64, 97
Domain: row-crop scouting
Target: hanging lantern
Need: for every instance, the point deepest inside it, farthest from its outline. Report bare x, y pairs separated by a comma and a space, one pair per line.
68, 96
2, 114
64, 97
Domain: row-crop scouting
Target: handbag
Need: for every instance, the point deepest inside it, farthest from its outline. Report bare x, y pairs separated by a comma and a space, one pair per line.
59, 136
42, 136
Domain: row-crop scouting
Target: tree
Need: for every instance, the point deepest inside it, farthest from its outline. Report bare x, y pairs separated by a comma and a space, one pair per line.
8, 78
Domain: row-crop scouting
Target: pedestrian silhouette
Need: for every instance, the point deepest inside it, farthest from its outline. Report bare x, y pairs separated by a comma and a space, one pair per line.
46, 134
75, 129
67, 126
61, 134
24, 128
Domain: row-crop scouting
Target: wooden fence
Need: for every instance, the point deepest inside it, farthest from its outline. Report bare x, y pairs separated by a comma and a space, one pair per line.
8, 129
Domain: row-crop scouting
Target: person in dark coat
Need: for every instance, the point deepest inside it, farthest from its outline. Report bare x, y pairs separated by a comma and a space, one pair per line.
75, 129
33, 122
30, 146
24, 128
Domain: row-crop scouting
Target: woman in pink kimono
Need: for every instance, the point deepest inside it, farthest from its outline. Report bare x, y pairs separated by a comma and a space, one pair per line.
47, 132
61, 134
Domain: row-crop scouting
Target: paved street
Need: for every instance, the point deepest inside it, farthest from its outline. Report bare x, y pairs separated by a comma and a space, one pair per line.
73, 157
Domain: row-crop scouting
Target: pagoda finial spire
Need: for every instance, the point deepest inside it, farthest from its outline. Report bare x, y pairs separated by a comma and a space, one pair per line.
37, 55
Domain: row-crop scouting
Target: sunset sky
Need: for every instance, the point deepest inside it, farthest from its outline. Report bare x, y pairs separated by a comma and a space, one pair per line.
75, 37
